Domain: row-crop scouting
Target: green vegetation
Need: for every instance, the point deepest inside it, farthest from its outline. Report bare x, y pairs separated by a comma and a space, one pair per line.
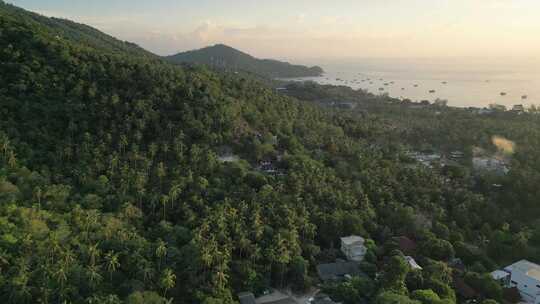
226, 58
112, 190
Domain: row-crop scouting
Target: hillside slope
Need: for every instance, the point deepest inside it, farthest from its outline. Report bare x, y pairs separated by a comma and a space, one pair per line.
110, 185
225, 57
76, 32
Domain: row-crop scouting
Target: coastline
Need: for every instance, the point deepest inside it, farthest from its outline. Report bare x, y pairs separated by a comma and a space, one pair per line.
461, 85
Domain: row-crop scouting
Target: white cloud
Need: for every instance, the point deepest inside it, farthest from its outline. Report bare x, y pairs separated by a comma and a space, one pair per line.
475, 30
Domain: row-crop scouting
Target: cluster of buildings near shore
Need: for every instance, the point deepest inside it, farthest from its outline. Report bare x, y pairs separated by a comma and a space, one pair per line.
521, 279
354, 249
480, 163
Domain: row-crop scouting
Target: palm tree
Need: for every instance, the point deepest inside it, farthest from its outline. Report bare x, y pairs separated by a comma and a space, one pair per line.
111, 260
221, 276
161, 251
3, 259
38, 195
20, 281
4, 145
123, 143
148, 273
12, 159
94, 276
168, 280
161, 172
91, 218
94, 253
170, 127
153, 148
61, 275
164, 200
175, 192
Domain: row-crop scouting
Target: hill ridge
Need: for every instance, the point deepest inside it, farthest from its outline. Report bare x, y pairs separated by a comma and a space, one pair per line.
223, 56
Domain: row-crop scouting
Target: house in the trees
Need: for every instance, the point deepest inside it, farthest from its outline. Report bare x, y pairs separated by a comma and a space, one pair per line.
275, 297
519, 109
426, 159
490, 164
523, 275
268, 167
353, 248
456, 155
463, 290
457, 264
405, 244
322, 298
344, 105
228, 158
484, 111
339, 271
412, 263
246, 298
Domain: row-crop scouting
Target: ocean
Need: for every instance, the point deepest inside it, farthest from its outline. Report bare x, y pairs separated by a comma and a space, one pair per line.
463, 82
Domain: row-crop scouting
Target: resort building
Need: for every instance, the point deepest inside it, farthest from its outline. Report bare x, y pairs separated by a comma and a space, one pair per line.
523, 275
490, 164
339, 271
353, 248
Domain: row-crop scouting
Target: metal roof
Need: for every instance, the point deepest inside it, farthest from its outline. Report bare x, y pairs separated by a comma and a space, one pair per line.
335, 271
529, 269
349, 240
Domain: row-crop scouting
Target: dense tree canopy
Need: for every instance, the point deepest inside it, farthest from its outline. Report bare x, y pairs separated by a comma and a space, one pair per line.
114, 187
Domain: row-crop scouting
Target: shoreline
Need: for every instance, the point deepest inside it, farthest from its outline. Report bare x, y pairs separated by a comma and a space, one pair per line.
461, 93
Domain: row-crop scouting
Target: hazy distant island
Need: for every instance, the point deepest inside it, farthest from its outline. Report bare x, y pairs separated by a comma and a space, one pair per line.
225, 57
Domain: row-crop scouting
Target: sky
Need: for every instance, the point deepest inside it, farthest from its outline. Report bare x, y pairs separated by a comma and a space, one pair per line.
309, 29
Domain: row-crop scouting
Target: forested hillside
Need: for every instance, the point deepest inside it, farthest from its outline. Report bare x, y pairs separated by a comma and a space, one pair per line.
80, 33
114, 187
227, 58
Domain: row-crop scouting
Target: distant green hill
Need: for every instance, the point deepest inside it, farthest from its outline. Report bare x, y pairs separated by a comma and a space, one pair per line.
225, 57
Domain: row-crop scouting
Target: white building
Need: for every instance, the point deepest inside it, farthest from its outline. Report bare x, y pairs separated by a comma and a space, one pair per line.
491, 164
426, 159
523, 275
353, 248
412, 263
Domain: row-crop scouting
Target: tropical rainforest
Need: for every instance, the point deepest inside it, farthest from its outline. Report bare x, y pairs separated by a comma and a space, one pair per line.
114, 189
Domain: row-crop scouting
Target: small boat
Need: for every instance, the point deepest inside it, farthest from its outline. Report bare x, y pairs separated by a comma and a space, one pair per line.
416, 86
403, 89
432, 91
503, 93
524, 97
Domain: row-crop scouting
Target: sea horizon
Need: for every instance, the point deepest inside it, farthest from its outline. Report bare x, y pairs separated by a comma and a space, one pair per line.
463, 82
